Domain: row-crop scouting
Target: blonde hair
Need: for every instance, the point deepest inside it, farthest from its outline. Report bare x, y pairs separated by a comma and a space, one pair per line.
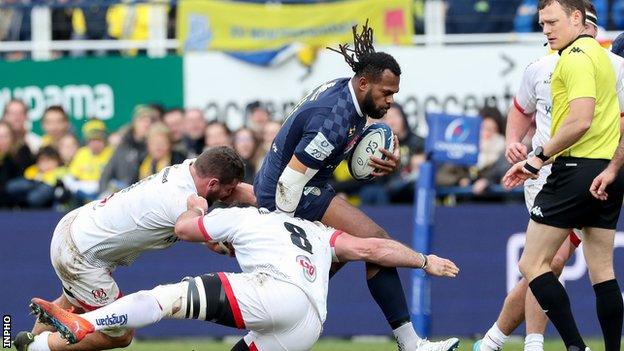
159, 129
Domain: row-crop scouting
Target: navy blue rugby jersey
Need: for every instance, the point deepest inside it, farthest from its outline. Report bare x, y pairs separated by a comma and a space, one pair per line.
321, 130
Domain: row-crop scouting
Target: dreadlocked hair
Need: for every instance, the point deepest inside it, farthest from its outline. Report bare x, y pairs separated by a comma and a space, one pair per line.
363, 58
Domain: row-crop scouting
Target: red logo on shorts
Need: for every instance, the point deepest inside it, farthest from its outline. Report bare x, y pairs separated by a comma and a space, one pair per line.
309, 271
99, 295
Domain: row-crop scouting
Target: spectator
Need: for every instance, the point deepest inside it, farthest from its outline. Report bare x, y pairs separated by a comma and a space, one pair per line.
246, 144
400, 185
174, 120
269, 132
218, 134
88, 163
194, 127
123, 167
68, 145
159, 151
37, 187
89, 22
257, 117
14, 159
480, 16
491, 164
16, 115
55, 124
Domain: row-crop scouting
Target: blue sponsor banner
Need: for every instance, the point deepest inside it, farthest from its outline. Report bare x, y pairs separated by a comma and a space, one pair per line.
484, 240
453, 139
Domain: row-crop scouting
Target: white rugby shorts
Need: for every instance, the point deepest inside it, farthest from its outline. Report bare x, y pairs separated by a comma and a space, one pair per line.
278, 315
85, 284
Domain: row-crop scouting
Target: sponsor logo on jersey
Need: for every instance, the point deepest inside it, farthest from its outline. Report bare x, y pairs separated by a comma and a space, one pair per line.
112, 320
319, 148
309, 270
311, 190
537, 211
99, 295
351, 144
576, 50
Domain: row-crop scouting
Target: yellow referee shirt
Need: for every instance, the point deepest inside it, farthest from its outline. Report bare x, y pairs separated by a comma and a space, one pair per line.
585, 70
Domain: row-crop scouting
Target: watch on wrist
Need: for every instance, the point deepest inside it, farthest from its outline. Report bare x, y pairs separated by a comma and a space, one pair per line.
539, 153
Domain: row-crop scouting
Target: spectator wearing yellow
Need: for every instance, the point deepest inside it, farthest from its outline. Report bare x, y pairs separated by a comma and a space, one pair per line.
36, 187
131, 22
55, 125
159, 151
87, 165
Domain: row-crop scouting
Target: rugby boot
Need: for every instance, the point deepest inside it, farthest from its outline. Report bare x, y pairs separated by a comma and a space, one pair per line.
72, 327
22, 340
426, 345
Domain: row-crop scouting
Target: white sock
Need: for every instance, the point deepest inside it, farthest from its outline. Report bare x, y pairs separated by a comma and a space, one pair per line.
493, 339
131, 311
534, 342
406, 335
40, 343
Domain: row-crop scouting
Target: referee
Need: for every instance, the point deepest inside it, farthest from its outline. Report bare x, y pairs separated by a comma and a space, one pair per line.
585, 133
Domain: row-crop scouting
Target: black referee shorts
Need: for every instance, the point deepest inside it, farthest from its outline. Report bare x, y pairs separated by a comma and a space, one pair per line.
565, 200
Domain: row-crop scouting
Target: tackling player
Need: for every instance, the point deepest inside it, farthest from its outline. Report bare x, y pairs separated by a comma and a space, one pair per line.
533, 98
320, 131
91, 241
281, 295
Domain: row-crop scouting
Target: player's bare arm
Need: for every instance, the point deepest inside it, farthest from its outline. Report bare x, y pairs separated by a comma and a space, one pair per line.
243, 194
573, 128
518, 125
390, 164
290, 185
391, 253
187, 226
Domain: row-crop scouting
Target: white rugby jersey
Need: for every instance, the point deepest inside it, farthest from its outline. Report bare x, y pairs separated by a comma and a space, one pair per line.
290, 249
116, 230
534, 95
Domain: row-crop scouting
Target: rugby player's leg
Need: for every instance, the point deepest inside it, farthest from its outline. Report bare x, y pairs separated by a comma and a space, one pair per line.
536, 320
598, 249
383, 283
542, 242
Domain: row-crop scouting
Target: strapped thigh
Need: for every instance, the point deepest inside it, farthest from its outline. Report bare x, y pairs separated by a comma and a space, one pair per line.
207, 300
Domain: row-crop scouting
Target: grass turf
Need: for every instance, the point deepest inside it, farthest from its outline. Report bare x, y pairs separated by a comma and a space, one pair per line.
325, 345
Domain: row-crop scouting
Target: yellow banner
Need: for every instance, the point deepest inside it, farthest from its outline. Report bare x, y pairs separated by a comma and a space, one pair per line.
237, 26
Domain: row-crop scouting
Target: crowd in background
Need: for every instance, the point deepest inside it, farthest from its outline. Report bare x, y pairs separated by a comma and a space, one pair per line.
67, 168
129, 20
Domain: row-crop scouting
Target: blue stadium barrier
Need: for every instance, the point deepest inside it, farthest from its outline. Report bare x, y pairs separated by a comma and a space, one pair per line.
482, 239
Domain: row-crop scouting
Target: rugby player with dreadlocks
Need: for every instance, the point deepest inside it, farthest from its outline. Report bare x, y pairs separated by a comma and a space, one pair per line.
316, 136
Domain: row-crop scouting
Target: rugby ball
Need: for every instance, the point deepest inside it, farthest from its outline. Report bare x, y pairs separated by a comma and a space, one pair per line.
374, 137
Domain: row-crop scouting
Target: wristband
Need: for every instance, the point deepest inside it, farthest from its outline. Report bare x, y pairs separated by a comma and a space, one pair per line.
425, 260
530, 168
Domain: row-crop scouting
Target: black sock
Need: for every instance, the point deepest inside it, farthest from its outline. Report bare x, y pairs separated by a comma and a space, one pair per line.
609, 308
386, 289
554, 300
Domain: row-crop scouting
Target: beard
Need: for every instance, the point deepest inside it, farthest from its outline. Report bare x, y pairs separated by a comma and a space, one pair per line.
369, 108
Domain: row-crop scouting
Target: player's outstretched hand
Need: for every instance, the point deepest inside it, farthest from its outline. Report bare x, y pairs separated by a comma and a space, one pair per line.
194, 201
515, 152
441, 267
390, 164
516, 175
600, 183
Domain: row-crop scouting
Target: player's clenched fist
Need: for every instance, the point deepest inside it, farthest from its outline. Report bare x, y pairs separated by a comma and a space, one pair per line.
515, 152
196, 201
441, 267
